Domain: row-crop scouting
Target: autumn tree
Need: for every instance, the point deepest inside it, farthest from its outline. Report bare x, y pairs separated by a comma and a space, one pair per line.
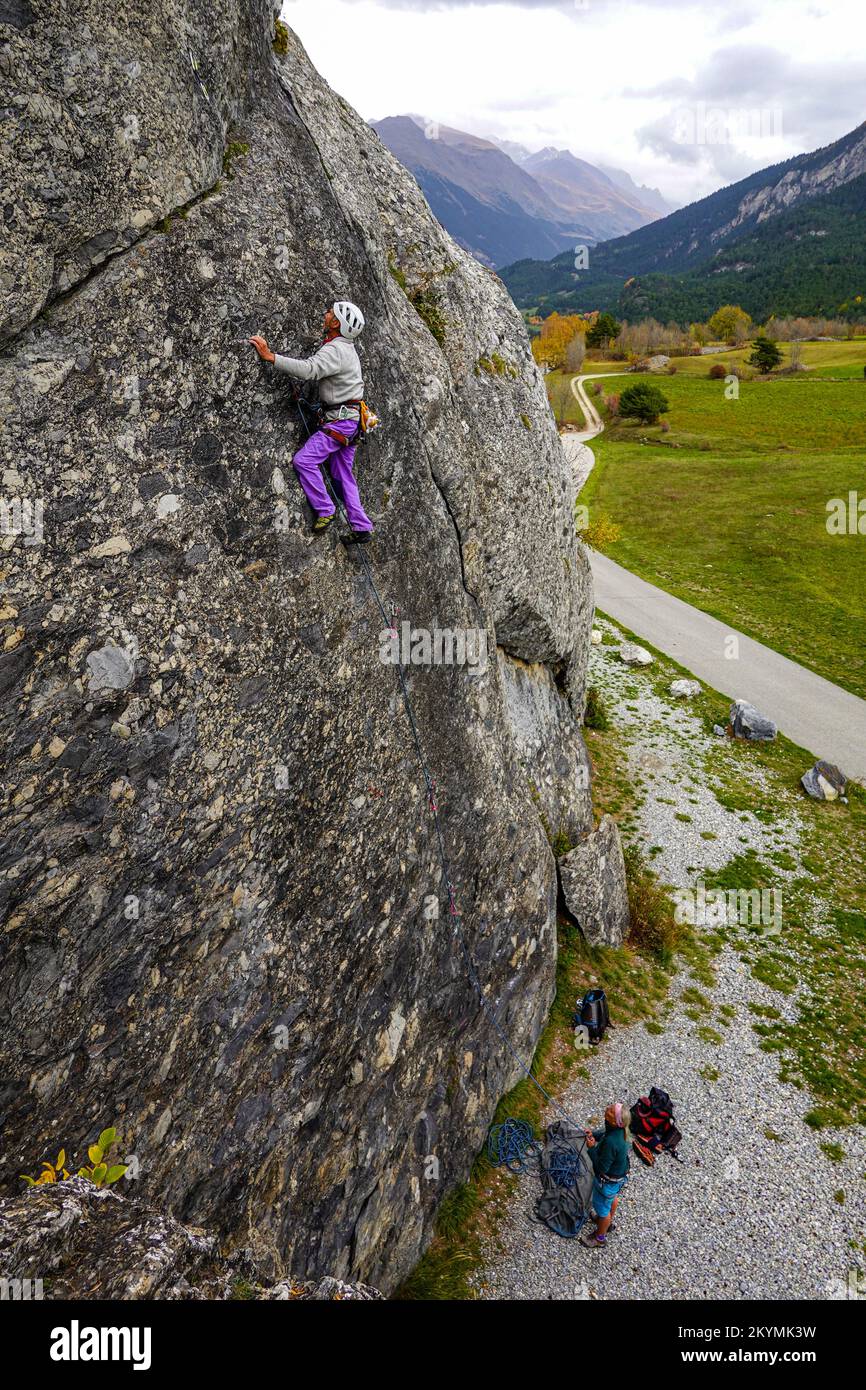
729, 322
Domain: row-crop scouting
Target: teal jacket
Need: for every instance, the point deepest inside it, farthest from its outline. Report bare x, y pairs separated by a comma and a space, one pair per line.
610, 1152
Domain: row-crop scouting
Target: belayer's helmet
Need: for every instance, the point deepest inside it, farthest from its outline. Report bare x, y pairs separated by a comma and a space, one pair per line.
351, 318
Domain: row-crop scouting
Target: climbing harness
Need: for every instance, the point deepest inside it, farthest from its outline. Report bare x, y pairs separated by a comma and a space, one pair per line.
307, 412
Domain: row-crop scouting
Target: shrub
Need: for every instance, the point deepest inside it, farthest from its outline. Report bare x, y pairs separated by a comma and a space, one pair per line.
654, 928
666, 426
595, 714
601, 532
612, 403
643, 402
281, 38
718, 371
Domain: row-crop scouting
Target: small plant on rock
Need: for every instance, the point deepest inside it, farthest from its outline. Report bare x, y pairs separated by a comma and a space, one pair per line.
281, 38
100, 1172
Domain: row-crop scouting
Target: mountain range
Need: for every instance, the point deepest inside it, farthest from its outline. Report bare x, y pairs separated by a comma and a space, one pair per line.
503, 203
788, 239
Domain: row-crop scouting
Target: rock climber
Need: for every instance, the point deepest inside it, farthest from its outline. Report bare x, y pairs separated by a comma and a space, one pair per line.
336, 368
608, 1149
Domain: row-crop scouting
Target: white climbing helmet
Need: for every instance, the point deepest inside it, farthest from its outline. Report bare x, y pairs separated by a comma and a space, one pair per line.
351, 318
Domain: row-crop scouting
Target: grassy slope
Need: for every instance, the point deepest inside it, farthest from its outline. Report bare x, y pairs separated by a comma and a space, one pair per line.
728, 510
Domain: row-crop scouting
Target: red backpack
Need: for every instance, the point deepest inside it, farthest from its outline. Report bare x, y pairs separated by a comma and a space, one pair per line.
652, 1126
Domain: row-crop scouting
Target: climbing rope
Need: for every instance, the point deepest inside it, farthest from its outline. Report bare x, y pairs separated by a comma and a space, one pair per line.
512, 1145
564, 1167
303, 406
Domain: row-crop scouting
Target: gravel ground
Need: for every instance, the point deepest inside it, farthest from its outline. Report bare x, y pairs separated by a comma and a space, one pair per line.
668, 753
752, 1212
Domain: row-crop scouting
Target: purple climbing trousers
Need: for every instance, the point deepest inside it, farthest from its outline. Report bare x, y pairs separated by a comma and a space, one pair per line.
321, 449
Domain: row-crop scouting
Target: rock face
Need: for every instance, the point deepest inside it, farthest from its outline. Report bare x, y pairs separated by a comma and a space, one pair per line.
71, 1240
225, 924
594, 885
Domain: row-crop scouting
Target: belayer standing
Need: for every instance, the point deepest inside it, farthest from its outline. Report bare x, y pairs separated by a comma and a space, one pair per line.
336, 368
608, 1149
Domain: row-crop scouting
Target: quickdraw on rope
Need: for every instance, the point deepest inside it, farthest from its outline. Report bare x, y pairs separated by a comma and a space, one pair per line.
303, 408
512, 1145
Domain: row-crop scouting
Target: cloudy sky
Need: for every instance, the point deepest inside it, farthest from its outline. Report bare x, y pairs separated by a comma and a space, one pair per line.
687, 95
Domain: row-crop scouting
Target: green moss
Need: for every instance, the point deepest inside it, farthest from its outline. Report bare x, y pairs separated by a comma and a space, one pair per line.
235, 149
425, 302
496, 365
281, 38
397, 274
526, 422
709, 1073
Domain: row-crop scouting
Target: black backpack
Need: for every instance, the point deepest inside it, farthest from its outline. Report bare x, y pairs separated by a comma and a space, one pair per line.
592, 1012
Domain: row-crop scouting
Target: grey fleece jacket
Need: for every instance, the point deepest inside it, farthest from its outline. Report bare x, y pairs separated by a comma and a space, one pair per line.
336, 367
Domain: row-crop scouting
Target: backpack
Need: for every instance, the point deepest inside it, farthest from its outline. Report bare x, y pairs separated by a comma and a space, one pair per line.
566, 1180
652, 1126
592, 1012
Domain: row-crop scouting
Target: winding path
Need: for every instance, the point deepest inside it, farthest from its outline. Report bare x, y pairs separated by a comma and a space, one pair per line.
810, 710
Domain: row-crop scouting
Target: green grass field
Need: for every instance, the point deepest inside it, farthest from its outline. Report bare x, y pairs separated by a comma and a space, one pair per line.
728, 509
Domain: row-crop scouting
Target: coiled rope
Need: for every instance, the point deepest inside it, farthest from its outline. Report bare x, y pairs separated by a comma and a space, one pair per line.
512, 1145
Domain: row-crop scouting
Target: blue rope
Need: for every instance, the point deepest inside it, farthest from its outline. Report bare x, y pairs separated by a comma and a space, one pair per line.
564, 1168
302, 408
512, 1145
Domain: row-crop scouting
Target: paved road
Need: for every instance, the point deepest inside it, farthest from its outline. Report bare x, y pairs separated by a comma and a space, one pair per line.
811, 711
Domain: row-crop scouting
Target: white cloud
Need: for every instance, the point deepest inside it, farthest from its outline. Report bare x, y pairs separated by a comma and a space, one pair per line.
605, 80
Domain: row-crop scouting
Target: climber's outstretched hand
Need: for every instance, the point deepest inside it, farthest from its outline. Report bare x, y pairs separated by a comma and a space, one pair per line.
262, 349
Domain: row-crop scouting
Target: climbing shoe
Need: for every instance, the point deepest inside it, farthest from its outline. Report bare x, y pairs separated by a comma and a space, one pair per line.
357, 538
322, 523
592, 1242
